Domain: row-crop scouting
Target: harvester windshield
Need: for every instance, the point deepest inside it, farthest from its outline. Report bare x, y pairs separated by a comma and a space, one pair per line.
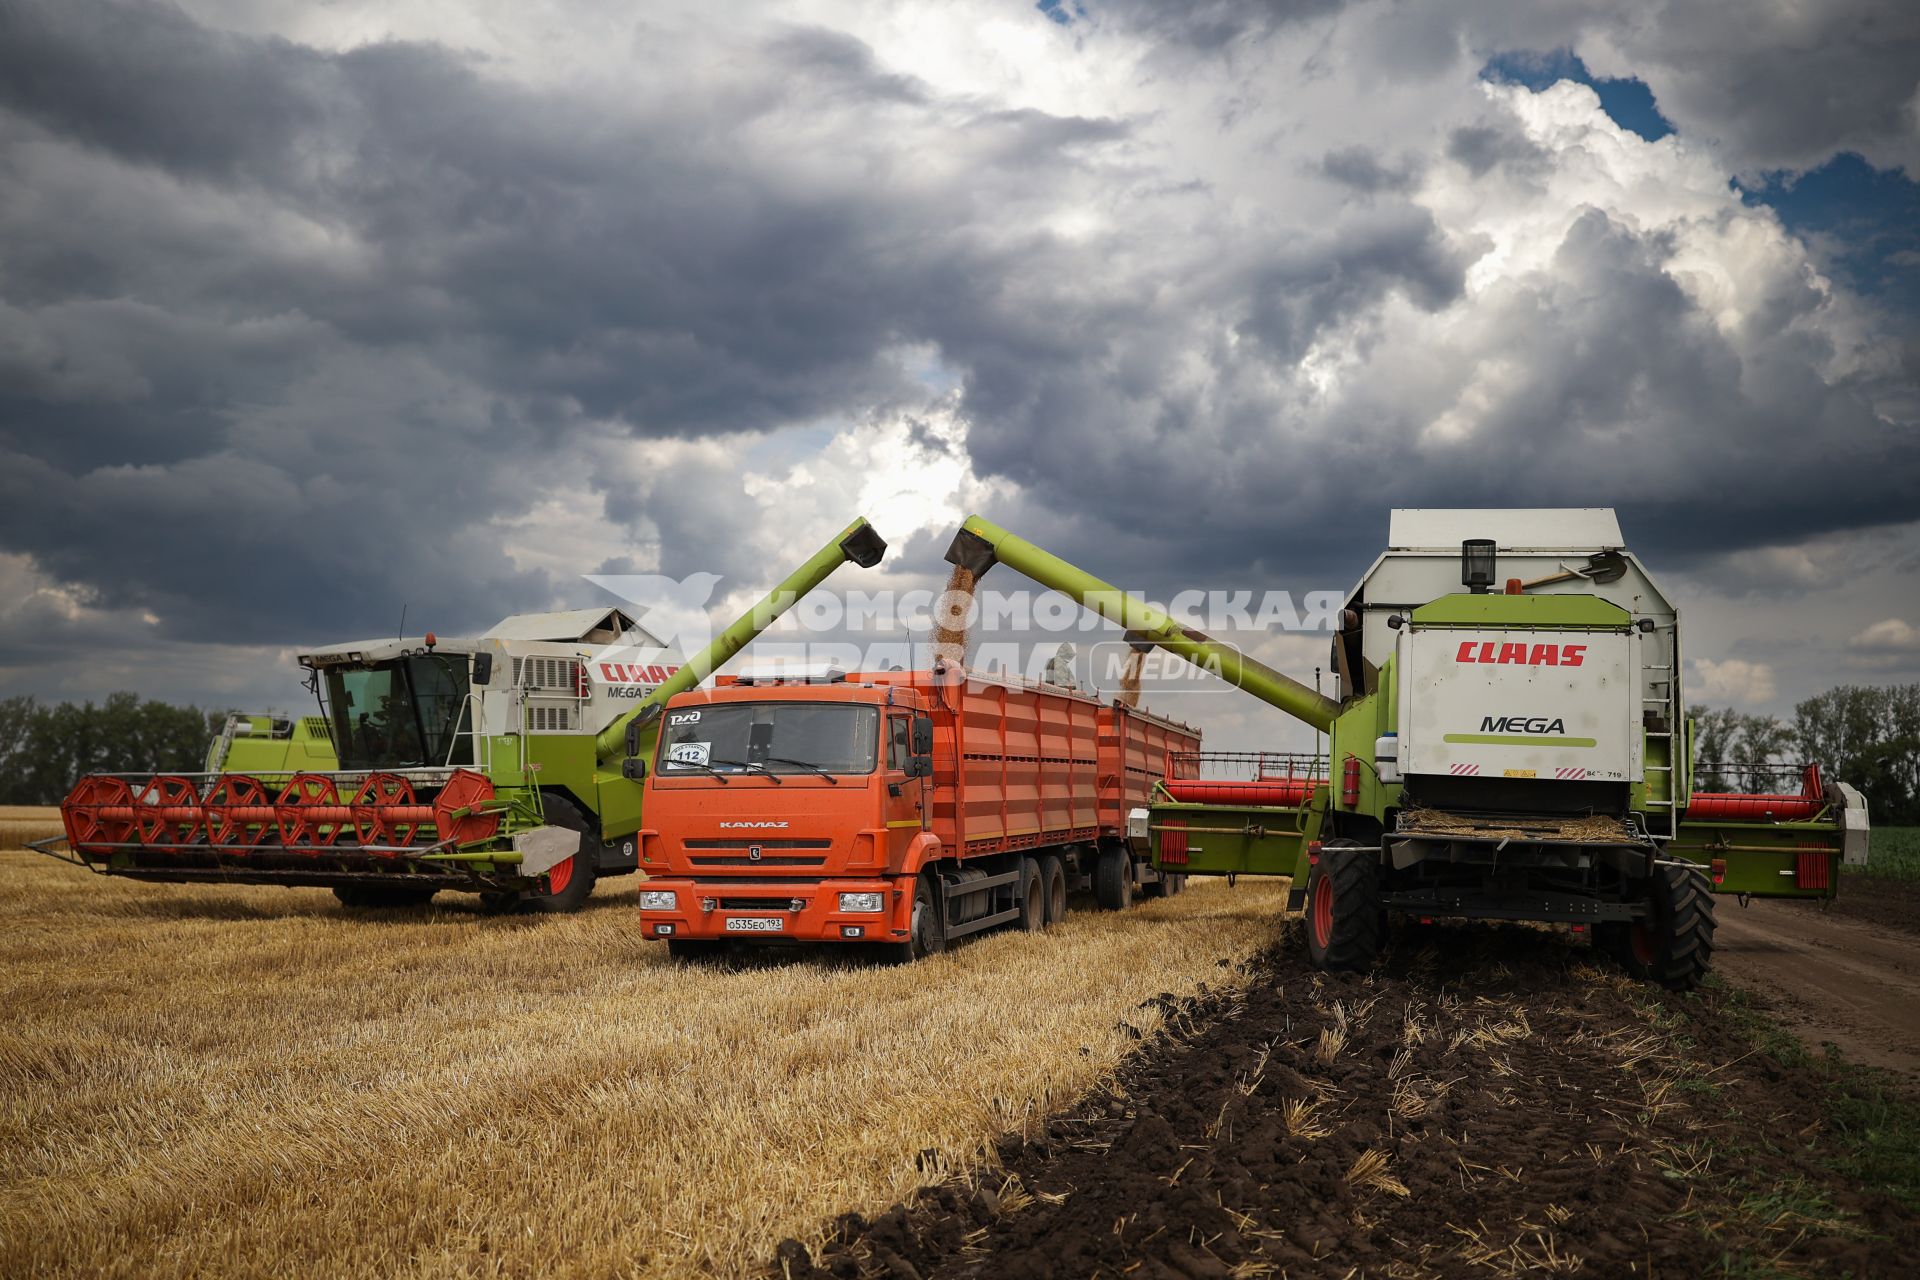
778, 737
403, 713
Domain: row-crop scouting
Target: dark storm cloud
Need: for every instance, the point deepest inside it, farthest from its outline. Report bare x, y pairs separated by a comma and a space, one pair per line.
284, 331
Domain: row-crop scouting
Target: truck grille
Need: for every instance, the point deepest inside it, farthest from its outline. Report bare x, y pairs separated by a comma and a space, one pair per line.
764, 860
741, 842
756, 904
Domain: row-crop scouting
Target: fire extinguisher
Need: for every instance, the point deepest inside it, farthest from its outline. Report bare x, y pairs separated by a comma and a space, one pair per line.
1350, 782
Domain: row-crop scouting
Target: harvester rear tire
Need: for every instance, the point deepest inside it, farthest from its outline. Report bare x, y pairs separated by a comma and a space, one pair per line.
579, 878
696, 950
1053, 885
1113, 880
1343, 924
928, 934
376, 897
1674, 945
1033, 897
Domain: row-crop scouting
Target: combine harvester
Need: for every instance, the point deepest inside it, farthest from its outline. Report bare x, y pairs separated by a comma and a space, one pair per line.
1514, 751
272, 746
508, 765
898, 808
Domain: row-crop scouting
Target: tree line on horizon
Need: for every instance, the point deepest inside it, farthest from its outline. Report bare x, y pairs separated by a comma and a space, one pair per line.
1866, 735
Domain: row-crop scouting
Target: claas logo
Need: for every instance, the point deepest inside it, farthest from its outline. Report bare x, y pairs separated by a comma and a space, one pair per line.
1518, 653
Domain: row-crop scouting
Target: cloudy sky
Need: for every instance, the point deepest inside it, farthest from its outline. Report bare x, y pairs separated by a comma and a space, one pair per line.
312, 311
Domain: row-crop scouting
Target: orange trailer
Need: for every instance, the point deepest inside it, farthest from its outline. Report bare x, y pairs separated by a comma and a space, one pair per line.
897, 808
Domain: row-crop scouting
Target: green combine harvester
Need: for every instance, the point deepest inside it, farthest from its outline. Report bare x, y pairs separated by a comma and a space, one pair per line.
508, 765
1517, 750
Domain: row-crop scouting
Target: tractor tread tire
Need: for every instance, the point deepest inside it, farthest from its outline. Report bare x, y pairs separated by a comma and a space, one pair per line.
1353, 935
1685, 915
586, 863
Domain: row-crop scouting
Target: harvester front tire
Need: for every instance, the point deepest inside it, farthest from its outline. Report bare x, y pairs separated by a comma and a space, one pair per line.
1053, 885
575, 877
1674, 945
1033, 897
1113, 880
1343, 923
374, 897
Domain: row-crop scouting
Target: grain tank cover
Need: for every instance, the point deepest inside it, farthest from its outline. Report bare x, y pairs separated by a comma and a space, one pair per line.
1518, 529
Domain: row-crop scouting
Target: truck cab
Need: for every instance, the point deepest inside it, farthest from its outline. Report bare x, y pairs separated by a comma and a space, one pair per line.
788, 809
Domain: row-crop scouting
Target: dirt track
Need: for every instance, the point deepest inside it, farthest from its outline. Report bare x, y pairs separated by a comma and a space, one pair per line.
1498, 1104
1829, 977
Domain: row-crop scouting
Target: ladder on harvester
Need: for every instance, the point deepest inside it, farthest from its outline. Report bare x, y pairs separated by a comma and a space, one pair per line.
1669, 806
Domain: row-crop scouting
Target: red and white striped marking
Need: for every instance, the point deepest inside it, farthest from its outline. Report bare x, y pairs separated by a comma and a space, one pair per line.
1464, 770
1576, 773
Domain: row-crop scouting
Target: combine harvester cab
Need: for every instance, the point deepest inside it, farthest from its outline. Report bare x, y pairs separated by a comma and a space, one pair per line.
904, 809
1513, 751
503, 765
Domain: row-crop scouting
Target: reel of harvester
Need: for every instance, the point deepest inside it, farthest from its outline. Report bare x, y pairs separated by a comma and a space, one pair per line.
310, 828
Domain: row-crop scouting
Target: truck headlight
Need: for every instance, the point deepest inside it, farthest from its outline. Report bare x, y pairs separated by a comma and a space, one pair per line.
658, 900
862, 901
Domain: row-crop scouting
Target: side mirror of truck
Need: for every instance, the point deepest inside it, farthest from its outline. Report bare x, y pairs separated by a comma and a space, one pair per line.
922, 737
482, 668
634, 768
919, 766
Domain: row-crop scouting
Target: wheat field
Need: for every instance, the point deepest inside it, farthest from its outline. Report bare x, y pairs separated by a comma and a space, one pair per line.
20, 823
237, 1080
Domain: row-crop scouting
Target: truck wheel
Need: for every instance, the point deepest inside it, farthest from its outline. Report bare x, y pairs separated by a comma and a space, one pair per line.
372, 897
1343, 907
569, 884
928, 934
1033, 897
1673, 946
694, 950
1053, 886
1113, 880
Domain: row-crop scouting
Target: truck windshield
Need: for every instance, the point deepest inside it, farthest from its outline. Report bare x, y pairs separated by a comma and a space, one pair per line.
407, 713
778, 737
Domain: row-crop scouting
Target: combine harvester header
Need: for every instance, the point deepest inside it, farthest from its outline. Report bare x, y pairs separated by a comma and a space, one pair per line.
1516, 750
503, 764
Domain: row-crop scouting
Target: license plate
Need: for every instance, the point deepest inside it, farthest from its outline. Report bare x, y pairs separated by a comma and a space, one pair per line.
754, 924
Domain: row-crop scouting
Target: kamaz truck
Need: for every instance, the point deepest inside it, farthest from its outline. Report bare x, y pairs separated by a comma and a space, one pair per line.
1508, 742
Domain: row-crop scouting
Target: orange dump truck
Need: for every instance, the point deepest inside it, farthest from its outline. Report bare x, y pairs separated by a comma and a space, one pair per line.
896, 809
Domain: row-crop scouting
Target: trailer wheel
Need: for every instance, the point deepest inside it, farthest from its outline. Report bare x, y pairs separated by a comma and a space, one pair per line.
928, 933
569, 884
1033, 897
373, 897
1673, 946
1166, 886
1343, 907
1113, 880
695, 950
1053, 884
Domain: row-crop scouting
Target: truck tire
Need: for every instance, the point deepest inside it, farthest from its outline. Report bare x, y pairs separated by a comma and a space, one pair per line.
1673, 946
1033, 897
571, 883
1053, 887
696, 950
374, 897
928, 934
1113, 880
1343, 907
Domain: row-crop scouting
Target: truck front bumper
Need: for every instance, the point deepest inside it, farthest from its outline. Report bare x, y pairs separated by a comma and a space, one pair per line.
771, 911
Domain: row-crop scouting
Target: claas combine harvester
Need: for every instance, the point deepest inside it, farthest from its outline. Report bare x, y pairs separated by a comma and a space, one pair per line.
507, 765
1513, 750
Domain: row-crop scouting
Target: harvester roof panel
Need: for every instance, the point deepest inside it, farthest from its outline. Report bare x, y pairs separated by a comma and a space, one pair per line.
1512, 529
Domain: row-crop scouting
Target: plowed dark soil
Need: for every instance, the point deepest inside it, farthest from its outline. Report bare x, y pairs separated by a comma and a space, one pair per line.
1881, 900
1486, 1102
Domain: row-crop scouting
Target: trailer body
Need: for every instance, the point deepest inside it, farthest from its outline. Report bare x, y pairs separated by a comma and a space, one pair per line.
816, 810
